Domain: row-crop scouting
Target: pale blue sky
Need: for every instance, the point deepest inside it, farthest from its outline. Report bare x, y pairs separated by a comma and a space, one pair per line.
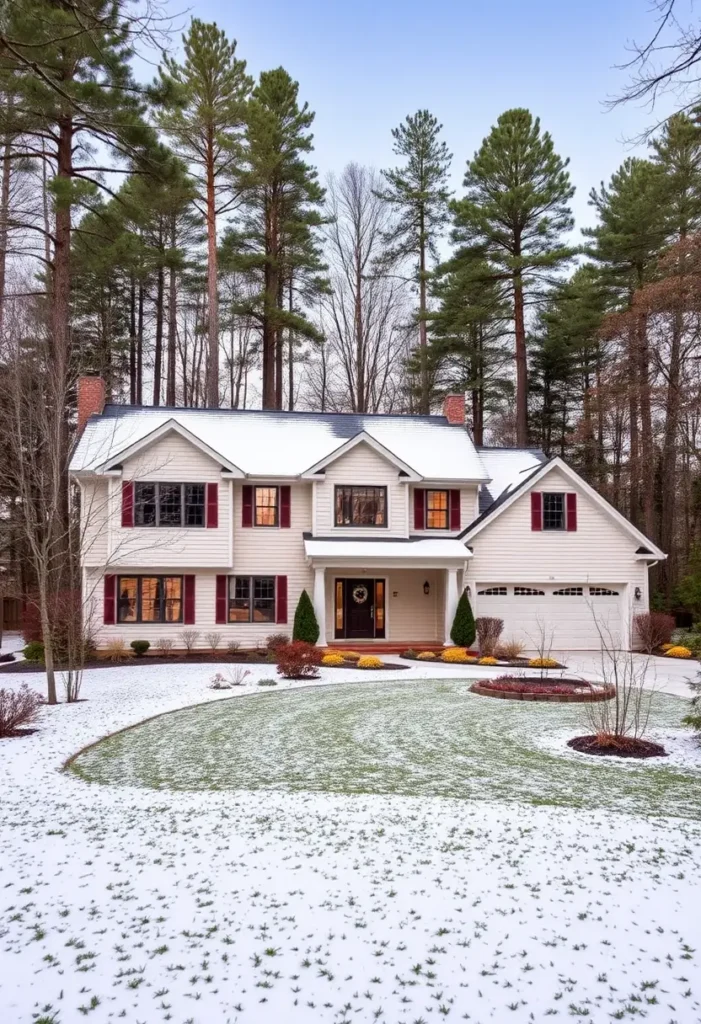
364, 65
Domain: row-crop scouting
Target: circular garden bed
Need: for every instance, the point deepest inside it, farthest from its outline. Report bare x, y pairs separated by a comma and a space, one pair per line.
561, 691
616, 746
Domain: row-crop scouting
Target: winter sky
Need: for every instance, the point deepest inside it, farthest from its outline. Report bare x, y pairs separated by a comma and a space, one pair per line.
364, 65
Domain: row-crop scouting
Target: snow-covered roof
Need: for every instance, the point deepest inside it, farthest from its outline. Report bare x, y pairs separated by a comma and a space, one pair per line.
280, 444
412, 549
507, 468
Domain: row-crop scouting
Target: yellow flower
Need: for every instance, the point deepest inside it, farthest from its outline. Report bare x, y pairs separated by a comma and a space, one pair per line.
488, 661
369, 661
455, 656
543, 663
335, 659
678, 652
666, 647
426, 656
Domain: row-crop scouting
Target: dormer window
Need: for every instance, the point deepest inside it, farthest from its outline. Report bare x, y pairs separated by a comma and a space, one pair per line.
361, 506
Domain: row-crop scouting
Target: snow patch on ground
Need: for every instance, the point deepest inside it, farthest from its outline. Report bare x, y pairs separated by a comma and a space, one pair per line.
271, 907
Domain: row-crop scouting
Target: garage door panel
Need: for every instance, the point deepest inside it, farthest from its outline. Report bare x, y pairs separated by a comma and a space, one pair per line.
568, 613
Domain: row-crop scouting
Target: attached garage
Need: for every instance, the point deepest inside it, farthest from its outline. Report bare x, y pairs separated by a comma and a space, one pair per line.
570, 612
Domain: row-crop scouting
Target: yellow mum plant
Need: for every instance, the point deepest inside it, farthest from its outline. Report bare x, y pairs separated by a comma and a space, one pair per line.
454, 656
666, 647
335, 659
543, 663
369, 661
426, 656
678, 652
488, 661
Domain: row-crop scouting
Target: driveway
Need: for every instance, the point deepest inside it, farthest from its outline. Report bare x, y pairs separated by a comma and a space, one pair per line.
669, 675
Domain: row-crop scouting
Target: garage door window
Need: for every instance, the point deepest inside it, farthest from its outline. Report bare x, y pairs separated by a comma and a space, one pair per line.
602, 592
493, 592
569, 592
528, 592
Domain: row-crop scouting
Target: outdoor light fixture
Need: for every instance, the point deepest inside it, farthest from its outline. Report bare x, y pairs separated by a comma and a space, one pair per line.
638, 593
427, 588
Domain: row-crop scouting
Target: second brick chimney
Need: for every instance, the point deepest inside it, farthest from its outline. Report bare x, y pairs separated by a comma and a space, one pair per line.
454, 410
91, 399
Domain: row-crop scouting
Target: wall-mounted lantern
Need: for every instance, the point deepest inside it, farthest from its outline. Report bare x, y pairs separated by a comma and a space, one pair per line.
427, 588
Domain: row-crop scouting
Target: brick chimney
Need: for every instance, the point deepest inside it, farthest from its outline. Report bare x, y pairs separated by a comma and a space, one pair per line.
454, 410
91, 399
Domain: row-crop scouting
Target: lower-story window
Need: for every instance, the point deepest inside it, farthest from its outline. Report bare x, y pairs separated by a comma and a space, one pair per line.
251, 599
150, 599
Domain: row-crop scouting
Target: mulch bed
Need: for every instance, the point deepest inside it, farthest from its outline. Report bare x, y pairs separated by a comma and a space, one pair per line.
351, 663
17, 734
561, 691
196, 658
625, 747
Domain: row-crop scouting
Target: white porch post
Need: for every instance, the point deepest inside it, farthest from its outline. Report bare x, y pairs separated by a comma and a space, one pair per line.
319, 602
451, 602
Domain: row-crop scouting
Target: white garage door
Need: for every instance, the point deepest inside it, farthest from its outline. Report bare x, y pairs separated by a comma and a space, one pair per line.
570, 613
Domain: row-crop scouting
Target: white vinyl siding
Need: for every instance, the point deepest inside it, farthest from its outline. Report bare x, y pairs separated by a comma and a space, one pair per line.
93, 519
175, 460
361, 467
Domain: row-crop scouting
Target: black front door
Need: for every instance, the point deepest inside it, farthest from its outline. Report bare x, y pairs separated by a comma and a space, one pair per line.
359, 609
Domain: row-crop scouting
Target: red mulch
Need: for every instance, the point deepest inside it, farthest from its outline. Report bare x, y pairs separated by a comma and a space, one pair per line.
526, 686
611, 747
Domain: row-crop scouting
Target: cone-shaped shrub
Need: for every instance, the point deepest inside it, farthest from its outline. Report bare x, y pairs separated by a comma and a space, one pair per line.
305, 627
463, 630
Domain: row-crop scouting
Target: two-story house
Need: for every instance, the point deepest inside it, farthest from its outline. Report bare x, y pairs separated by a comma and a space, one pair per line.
215, 520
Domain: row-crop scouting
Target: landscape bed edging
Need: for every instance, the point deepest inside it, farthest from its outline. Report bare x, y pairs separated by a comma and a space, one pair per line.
591, 697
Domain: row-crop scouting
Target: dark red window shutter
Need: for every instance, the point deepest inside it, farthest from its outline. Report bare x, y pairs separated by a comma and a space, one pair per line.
285, 507
418, 508
571, 513
221, 616
536, 510
109, 616
247, 506
212, 505
455, 510
127, 503
281, 602
189, 601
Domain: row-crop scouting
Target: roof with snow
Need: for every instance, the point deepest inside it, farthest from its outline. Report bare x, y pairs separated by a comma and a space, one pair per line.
284, 444
507, 469
413, 549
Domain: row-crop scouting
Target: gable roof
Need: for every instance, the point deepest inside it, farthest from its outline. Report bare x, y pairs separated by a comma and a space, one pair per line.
508, 468
510, 495
169, 427
362, 438
268, 444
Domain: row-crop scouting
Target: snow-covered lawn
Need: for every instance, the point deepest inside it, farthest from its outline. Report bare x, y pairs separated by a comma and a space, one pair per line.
267, 906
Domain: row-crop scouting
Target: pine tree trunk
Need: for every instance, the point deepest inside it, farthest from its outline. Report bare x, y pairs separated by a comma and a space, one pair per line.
634, 459
521, 361
212, 388
132, 340
279, 345
158, 351
140, 347
669, 459
290, 351
270, 300
172, 332
647, 476
425, 400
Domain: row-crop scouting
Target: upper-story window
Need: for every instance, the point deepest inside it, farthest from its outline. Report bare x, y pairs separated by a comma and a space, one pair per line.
436, 512
361, 506
161, 504
554, 512
266, 506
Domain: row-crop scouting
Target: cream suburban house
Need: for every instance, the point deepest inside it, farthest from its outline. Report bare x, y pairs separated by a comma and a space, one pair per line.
216, 520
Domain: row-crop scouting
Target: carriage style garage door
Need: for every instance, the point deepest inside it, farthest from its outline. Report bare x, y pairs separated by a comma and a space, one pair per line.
570, 612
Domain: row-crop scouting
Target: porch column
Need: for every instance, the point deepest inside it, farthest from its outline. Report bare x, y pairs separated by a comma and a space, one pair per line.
319, 602
451, 602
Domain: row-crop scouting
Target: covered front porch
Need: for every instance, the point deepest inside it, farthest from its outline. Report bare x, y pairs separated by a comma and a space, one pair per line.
386, 592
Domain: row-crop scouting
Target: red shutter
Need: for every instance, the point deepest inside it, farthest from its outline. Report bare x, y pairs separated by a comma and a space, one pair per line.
220, 604
127, 503
281, 602
212, 505
109, 616
247, 506
571, 513
536, 510
189, 601
418, 508
285, 507
455, 510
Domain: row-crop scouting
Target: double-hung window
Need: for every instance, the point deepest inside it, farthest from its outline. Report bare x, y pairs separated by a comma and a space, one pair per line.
266, 506
162, 504
554, 512
361, 506
251, 599
436, 511
149, 599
